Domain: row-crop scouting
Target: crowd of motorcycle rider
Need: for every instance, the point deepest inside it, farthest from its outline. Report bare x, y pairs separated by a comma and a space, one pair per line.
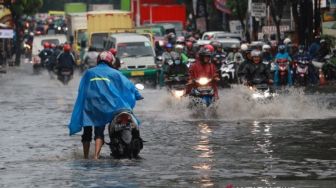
262, 62
252, 62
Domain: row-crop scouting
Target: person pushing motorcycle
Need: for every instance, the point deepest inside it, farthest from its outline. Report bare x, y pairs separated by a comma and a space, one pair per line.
103, 93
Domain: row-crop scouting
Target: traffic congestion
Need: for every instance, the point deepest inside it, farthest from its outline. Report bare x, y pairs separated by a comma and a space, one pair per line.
101, 98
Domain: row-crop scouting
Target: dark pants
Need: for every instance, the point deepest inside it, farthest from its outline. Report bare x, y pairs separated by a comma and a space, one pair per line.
87, 133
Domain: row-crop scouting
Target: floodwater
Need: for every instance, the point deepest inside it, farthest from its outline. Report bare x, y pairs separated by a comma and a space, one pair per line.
288, 142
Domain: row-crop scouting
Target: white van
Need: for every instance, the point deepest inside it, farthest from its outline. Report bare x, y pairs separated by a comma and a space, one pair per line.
41, 39
136, 52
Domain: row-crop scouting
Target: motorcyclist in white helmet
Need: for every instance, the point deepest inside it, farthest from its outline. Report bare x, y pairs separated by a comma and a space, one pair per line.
235, 55
267, 55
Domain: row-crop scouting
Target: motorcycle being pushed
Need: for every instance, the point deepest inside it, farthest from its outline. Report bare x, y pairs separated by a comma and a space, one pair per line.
125, 140
64, 74
202, 92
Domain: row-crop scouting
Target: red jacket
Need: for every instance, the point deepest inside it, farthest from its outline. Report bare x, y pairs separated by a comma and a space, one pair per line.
208, 70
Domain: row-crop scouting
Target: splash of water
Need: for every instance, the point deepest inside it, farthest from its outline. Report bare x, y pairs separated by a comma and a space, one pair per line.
236, 104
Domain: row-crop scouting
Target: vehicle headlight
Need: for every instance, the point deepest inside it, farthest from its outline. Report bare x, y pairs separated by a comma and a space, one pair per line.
178, 93
203, 81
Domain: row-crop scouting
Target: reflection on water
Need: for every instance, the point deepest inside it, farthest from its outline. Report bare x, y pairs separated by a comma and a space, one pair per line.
245, 142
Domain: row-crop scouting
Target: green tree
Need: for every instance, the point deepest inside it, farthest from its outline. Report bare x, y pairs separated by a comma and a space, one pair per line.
19, 8
239, 11
277, 9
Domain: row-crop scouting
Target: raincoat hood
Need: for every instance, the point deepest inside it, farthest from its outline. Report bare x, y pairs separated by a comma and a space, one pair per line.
103, 92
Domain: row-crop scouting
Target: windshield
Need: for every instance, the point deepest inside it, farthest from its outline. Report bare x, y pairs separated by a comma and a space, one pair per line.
134, 49
227, 36
97, 40
50, 41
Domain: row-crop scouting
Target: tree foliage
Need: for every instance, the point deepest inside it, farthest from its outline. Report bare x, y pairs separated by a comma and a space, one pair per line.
18, 9
239, 10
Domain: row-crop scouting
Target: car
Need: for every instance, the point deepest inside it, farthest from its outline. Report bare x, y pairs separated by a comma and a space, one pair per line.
210, 36
137, 55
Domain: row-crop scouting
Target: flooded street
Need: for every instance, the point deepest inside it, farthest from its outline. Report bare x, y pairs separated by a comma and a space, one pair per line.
289, 142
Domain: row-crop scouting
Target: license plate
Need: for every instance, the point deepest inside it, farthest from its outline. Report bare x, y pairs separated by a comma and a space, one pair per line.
137, 73
204, 88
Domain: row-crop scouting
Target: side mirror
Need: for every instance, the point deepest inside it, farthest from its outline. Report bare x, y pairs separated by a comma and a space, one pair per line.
159, 58
140, 86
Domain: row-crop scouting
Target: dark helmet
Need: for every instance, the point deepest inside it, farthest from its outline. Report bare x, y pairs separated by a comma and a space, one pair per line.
216, 44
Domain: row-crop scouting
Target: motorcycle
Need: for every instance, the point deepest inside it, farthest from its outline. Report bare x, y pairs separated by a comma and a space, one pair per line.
64, 75
301, 73
261, 91
283, 69
124, 134
203, 92
228, 72
177, 85
190, 62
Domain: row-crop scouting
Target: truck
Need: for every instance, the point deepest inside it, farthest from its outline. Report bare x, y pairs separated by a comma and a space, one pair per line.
77, 28
163, 14
100, 24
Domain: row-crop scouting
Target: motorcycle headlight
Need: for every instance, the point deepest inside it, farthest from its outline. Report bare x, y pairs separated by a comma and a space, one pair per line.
203, 81
178, 93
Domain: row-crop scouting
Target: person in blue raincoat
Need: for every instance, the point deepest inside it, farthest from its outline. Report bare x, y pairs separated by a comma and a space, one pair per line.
103, 92
282, 54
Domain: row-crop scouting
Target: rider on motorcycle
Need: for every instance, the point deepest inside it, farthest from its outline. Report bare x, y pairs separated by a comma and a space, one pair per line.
90, 57
191, 53
178, 69
45, 53
267, 56
256, 71
117, 63
179, 48
246, 51
53, 58
282, 54
103, 93
66, 60
235, 55
219, 55
204, 68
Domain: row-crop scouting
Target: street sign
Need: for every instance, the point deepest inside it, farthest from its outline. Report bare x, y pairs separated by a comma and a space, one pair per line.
272, 29
258, 10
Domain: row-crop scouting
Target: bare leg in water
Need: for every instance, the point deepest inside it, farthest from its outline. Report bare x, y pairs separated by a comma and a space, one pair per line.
99, 144
86, 149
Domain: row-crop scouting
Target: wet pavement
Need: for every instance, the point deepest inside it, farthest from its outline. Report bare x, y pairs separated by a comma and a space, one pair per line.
289, 142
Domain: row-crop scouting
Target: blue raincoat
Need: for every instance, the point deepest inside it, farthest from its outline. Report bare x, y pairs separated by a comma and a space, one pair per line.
276, 73
103, 92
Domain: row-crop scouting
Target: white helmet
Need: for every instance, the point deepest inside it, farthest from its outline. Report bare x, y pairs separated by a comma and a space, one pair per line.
244, 47
287, 41
256, 53
179, 46
266, 47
